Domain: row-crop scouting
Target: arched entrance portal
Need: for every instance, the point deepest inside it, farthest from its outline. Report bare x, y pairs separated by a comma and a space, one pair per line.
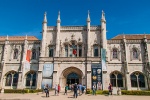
70, 76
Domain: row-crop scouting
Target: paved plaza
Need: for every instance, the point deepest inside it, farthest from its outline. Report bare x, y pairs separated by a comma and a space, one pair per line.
41, 96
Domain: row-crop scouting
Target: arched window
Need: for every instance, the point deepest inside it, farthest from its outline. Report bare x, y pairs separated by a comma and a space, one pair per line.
115, 55
31, 78
80, 50
73, 50
51, 51
119, 80
15, 54
66, 50
95, 50
9, 79
133, 80
33, 54
137, 80
135, 53
113, 79
116, 80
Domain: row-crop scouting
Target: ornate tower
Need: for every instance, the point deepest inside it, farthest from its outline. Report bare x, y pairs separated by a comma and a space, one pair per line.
44, 32
103, 31
57, 35
88, 34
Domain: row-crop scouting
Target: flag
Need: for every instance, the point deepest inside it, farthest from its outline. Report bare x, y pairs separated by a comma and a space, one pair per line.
27, 61
28, 55
74, 51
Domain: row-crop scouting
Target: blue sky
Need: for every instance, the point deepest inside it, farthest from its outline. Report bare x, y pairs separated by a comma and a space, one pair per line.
21, 17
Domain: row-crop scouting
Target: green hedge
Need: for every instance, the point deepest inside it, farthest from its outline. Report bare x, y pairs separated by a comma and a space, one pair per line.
21, 91
135, 92
124, 92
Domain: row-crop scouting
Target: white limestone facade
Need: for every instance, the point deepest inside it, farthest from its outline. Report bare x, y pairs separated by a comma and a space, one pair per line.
72, 50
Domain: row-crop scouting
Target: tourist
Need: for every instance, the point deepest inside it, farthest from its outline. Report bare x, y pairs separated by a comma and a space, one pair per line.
58, 89
75, 90
94, 89
66, 88
83, 87
80, 88
110, 89
47, 90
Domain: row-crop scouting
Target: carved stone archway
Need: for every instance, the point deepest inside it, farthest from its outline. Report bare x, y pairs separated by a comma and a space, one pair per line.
68, 71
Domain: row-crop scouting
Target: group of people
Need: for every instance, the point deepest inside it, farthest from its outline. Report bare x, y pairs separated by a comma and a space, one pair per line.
75, 87
78, 89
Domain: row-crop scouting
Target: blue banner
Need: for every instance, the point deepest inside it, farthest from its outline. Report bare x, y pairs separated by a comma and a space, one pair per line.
103, 58
96, 76
47, 70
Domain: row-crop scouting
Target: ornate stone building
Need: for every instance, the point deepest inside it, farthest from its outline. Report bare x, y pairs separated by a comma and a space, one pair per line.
71, 51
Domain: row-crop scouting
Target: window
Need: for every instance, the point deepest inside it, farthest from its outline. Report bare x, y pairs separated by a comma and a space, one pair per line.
31, 78
95, 51
133, 80
33, 54
9, 79
116, 80
135, 54
115, 54
119, 80
140, 81
73, 50
80, 51
113, 79
51, 51
15, 54
66, 51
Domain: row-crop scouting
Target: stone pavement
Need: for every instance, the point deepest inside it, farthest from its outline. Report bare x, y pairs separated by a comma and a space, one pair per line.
41, 96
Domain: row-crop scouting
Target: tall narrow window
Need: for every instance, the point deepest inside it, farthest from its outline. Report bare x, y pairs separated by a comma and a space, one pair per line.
33, 54
80, 51
15, 54
113, 79
95, 51
135, 54
119, 80
66, 51
51, 51
133, 80
115, 54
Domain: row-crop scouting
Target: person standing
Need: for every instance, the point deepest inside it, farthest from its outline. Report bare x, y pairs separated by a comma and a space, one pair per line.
94, 89
75, 90
66, 88
80, 89
58, 89
47, 90
110, 88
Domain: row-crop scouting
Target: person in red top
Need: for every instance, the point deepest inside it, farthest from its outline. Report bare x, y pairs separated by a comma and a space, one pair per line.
58, 88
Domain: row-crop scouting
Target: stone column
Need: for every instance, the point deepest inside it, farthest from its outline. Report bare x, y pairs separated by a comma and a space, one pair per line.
12, 74
20, 82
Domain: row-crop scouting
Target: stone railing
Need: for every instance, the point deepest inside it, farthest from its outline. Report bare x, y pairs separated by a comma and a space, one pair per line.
70, 59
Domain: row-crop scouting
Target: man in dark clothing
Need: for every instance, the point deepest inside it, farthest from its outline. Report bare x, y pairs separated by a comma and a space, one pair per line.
47, 90
75, 90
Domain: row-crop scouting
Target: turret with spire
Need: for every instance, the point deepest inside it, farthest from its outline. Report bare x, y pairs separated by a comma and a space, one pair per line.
88, 33
58, 35
44, 32
103, 31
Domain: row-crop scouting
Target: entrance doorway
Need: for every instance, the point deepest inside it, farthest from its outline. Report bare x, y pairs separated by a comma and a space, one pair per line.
72, 78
